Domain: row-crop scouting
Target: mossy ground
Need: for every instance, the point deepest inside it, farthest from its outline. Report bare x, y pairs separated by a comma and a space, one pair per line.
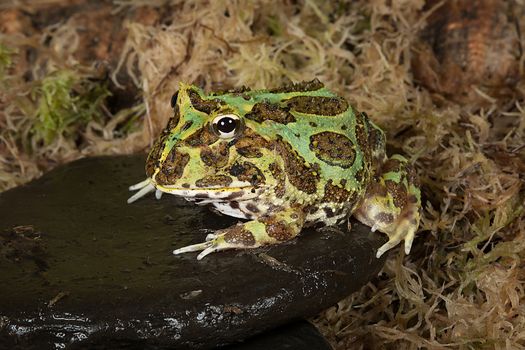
461, 286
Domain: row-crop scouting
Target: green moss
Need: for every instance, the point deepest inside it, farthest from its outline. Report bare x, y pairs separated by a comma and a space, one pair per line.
275, 27
64, 103
5, 61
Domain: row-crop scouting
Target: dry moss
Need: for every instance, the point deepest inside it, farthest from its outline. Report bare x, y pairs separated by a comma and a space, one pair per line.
462, 285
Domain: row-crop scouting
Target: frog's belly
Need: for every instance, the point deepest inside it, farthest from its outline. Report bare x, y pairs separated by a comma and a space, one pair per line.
328, 213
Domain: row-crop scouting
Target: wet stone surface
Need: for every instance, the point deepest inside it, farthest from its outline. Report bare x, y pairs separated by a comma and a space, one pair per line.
81, 268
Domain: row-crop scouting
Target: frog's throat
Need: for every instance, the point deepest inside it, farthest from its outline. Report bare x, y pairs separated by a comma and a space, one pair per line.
240, 191
236, 191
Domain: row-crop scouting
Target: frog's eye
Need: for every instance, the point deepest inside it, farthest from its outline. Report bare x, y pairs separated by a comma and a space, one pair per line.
227, 126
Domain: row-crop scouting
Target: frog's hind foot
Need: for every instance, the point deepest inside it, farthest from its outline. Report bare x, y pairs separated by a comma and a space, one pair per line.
404, 228
392, 203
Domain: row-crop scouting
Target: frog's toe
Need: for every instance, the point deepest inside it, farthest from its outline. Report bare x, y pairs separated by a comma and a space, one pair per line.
207, 251
409, 238
206, 247
193, 248
143, 187
214, 243
210, 237
404, 230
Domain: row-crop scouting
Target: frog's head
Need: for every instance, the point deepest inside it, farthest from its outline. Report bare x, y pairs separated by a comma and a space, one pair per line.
211, 148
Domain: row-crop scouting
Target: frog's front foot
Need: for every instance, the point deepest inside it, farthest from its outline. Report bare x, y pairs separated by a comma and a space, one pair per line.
207, 247
230, 238
270, 229
143, 188
391, 205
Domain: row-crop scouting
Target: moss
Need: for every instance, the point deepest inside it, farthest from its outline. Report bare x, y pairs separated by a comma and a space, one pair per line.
5, 61
64, 104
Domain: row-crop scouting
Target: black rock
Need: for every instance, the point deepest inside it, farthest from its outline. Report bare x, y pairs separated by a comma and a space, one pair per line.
79, 266
297, 336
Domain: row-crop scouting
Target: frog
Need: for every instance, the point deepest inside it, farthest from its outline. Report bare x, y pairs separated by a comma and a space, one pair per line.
281, 159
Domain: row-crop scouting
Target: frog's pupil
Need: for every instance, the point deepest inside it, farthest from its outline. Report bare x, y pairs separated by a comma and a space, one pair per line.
226, 125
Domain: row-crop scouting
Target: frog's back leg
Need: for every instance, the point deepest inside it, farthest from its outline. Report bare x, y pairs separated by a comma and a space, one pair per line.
392, 203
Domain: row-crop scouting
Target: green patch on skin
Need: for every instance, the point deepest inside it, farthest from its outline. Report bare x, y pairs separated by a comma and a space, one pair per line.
64, 103
393, 176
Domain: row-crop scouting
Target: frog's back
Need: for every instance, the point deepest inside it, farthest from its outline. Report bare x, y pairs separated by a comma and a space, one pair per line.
318, 125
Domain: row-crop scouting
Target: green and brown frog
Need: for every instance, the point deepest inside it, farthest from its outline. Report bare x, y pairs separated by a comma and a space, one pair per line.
282, 159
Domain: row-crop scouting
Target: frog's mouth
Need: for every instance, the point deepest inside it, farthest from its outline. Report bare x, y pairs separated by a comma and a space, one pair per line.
237, 190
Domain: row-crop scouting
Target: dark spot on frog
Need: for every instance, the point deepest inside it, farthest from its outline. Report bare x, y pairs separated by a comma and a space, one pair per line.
412, 199
153, 157
304, 86
174, 121
344, 127
214, 180
202, 105
385, 218
411, 175
278, 175
362, 134
174, 99
249, 152
186, 125
398, 193
329, 212
267, 111
318, 105
250, 144
333, 148
216, 156
301, 176
247, 171
313, 125
185, 185
392, 165
201, 137
232, 142
234, 204
252, 207
336, 194
278, 229
360, 174
201, 195
172, 167
234, 195
240, 90
237, 234
236, 169
312, 209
